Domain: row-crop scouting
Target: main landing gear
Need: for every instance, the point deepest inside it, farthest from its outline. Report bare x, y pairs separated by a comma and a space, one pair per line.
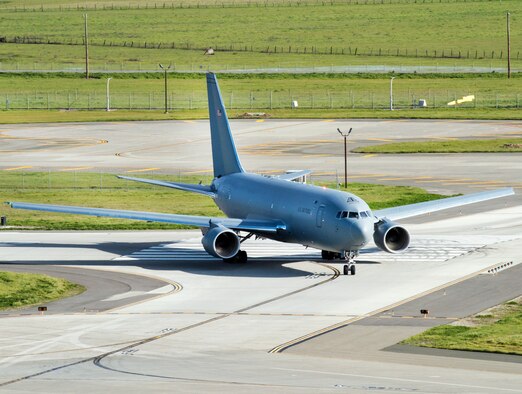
240, 258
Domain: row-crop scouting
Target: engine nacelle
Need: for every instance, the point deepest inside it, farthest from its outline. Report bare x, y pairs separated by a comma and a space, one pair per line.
391, 237
221, 242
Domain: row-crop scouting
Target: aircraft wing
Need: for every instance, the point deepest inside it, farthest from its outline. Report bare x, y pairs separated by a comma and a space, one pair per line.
294, 175
201, 189
421, 208
253, 225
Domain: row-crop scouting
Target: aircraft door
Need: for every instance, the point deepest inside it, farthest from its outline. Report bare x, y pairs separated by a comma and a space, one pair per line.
320, 217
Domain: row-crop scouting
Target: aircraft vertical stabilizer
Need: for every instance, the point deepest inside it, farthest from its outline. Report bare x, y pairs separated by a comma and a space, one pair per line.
224, 154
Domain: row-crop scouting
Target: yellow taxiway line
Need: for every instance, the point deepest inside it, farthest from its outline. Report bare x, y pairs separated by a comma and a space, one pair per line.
145, 169
75, 168
17, 168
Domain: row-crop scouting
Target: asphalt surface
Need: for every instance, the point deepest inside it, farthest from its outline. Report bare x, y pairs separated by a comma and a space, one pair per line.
102, 287
445, 305
217, 334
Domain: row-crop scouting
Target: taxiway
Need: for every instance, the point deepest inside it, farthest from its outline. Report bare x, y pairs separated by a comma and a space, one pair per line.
285, 322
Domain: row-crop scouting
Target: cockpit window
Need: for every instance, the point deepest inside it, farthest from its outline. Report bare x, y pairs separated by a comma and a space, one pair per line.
353, 215
344, 214
364, 214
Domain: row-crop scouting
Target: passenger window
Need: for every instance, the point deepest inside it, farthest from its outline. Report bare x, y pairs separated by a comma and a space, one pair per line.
353, 215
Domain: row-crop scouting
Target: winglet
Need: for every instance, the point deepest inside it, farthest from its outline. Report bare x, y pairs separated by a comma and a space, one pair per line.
224, 154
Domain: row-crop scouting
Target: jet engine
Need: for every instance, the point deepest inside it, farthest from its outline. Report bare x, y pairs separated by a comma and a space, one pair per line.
391, 237
221, 242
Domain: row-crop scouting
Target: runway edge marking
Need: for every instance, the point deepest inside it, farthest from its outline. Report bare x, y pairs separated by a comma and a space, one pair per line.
284, 346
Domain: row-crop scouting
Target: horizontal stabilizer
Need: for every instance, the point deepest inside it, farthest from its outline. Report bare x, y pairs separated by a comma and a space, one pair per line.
421, 208
253, 225
290, 176
201, 189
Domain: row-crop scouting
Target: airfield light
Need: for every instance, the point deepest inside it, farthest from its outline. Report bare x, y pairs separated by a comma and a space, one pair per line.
345, 135
166, 69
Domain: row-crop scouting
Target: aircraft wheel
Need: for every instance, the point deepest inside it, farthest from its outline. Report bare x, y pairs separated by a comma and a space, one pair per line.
242, 256
352, 270
345, 269
327, 255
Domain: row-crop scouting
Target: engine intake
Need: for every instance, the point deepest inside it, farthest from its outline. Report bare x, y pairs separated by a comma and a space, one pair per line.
221, 242
391, 237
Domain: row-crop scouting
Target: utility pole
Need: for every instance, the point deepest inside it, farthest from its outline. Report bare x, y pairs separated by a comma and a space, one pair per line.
166, 86
345, 156
86, 41
391, 93
508, 44
108, 95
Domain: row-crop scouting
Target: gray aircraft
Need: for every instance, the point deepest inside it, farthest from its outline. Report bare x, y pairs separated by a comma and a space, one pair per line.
335, 222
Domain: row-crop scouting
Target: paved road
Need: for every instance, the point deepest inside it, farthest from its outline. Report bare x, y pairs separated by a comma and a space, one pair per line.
143, 148
215, 335
368, 338
105, 290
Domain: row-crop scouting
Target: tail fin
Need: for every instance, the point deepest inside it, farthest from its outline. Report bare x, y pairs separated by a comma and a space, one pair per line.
224, 154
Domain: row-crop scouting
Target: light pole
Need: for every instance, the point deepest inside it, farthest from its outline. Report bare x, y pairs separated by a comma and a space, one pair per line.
166, 87
108, 95
391, 93
86, 42
345, 156
508, 44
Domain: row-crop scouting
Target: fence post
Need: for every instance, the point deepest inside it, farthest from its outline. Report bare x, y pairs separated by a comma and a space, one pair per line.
271, 92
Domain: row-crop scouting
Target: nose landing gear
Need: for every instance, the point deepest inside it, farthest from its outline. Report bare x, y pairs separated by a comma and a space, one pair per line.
349, 268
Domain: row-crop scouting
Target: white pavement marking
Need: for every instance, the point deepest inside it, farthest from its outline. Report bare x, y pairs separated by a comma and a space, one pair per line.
421, 249
160, 290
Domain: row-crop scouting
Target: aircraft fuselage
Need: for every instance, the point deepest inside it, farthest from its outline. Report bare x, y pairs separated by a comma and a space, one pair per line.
313, 215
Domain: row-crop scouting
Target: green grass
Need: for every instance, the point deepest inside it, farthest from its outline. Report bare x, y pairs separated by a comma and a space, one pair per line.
462, 25
500, 332
474, 28
38, 116
20, 289
105, 191
266, 92
461, 146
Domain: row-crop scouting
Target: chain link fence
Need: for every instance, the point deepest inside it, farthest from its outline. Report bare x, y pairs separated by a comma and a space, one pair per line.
257, 100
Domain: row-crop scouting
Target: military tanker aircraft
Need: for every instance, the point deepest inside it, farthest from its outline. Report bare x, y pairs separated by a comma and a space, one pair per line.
336, 222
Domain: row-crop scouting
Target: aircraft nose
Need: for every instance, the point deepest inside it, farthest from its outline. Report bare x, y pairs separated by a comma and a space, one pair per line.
361, 232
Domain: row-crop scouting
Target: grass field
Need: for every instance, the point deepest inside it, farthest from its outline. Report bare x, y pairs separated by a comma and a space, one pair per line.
39, 116
412, 29
264, 91
462, 146
106, 191
498, 330
19, 289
